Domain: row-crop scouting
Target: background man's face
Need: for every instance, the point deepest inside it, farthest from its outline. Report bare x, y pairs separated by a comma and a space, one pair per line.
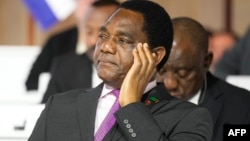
183, 74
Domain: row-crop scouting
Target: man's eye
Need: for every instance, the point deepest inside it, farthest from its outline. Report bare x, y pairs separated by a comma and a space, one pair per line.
162, 71
103, 36
182, 72
123, 41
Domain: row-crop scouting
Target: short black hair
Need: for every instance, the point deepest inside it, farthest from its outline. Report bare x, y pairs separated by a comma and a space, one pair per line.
157, 24
99, 3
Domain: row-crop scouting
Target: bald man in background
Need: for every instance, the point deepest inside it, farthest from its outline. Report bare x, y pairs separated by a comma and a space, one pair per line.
186, 76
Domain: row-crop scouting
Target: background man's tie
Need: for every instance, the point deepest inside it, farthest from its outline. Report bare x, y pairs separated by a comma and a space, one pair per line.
109, 120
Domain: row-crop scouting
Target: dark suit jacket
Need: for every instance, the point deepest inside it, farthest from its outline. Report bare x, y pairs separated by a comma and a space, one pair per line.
71, 116
56, 45
228, 105
69, 71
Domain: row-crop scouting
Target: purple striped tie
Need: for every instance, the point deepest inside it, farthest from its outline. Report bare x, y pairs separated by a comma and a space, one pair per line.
109, 120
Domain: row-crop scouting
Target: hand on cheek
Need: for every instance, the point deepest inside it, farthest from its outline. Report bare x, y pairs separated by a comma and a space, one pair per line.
139, 75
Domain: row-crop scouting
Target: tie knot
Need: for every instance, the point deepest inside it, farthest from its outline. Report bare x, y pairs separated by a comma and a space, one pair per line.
116, 93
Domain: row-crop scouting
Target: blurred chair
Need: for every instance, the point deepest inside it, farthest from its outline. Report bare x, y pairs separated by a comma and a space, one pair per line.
15, 62
19, 109
18, 120
242, 81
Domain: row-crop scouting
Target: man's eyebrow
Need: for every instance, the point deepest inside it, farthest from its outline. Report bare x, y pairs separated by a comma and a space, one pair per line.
103, 28
126, 34
118, 33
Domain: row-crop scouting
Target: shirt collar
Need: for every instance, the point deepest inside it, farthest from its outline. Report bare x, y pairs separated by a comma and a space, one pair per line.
195, 98
107, 89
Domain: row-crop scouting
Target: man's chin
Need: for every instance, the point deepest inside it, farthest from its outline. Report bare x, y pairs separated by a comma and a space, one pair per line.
177, 96
105, 74
111, 82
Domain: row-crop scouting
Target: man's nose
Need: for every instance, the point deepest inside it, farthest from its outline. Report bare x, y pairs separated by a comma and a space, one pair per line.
109, 46
170, 82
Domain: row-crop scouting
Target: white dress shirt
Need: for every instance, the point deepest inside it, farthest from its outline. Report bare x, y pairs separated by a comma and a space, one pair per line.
195, 98
95, 78
106, 101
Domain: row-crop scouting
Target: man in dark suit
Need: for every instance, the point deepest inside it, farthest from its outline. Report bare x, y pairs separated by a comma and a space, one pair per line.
186, 76
56, 45
69, 40
236, 60
71, 70
130, 48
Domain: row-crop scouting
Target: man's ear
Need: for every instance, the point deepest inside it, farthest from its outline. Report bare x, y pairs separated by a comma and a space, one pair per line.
208, 60
160, 52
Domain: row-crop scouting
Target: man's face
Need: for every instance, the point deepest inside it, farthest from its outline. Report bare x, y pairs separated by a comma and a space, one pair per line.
117, 38
94, 19
183, 74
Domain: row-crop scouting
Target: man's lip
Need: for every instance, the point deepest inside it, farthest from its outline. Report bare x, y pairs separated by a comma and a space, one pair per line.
175, 94
106, 62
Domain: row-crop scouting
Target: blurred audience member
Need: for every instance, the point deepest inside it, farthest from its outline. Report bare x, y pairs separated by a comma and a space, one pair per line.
57, 44
186, 76
236, 61
71, 70
219, 43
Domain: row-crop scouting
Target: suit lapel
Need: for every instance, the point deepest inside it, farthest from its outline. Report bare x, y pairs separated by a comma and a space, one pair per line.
86, 109
157, 97
213, 99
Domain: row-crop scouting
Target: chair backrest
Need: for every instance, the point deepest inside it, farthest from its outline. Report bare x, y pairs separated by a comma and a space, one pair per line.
242, 81
15, 64
18, 120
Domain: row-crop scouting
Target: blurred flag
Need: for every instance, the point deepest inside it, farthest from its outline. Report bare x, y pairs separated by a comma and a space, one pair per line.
48, 12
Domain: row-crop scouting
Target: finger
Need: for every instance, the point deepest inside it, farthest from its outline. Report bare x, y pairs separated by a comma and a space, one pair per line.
137, 61
144, 59
150, 57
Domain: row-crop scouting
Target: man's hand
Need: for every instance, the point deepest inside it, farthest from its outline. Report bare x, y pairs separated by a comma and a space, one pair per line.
137, 78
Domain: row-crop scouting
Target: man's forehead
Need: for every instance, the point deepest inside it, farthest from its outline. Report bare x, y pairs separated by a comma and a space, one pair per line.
175, 55
123, 22
181, 55
126, 14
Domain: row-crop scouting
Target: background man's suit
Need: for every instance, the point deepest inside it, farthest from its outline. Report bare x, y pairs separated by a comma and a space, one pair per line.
171, 117
56, 45
69, 71
227, 104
